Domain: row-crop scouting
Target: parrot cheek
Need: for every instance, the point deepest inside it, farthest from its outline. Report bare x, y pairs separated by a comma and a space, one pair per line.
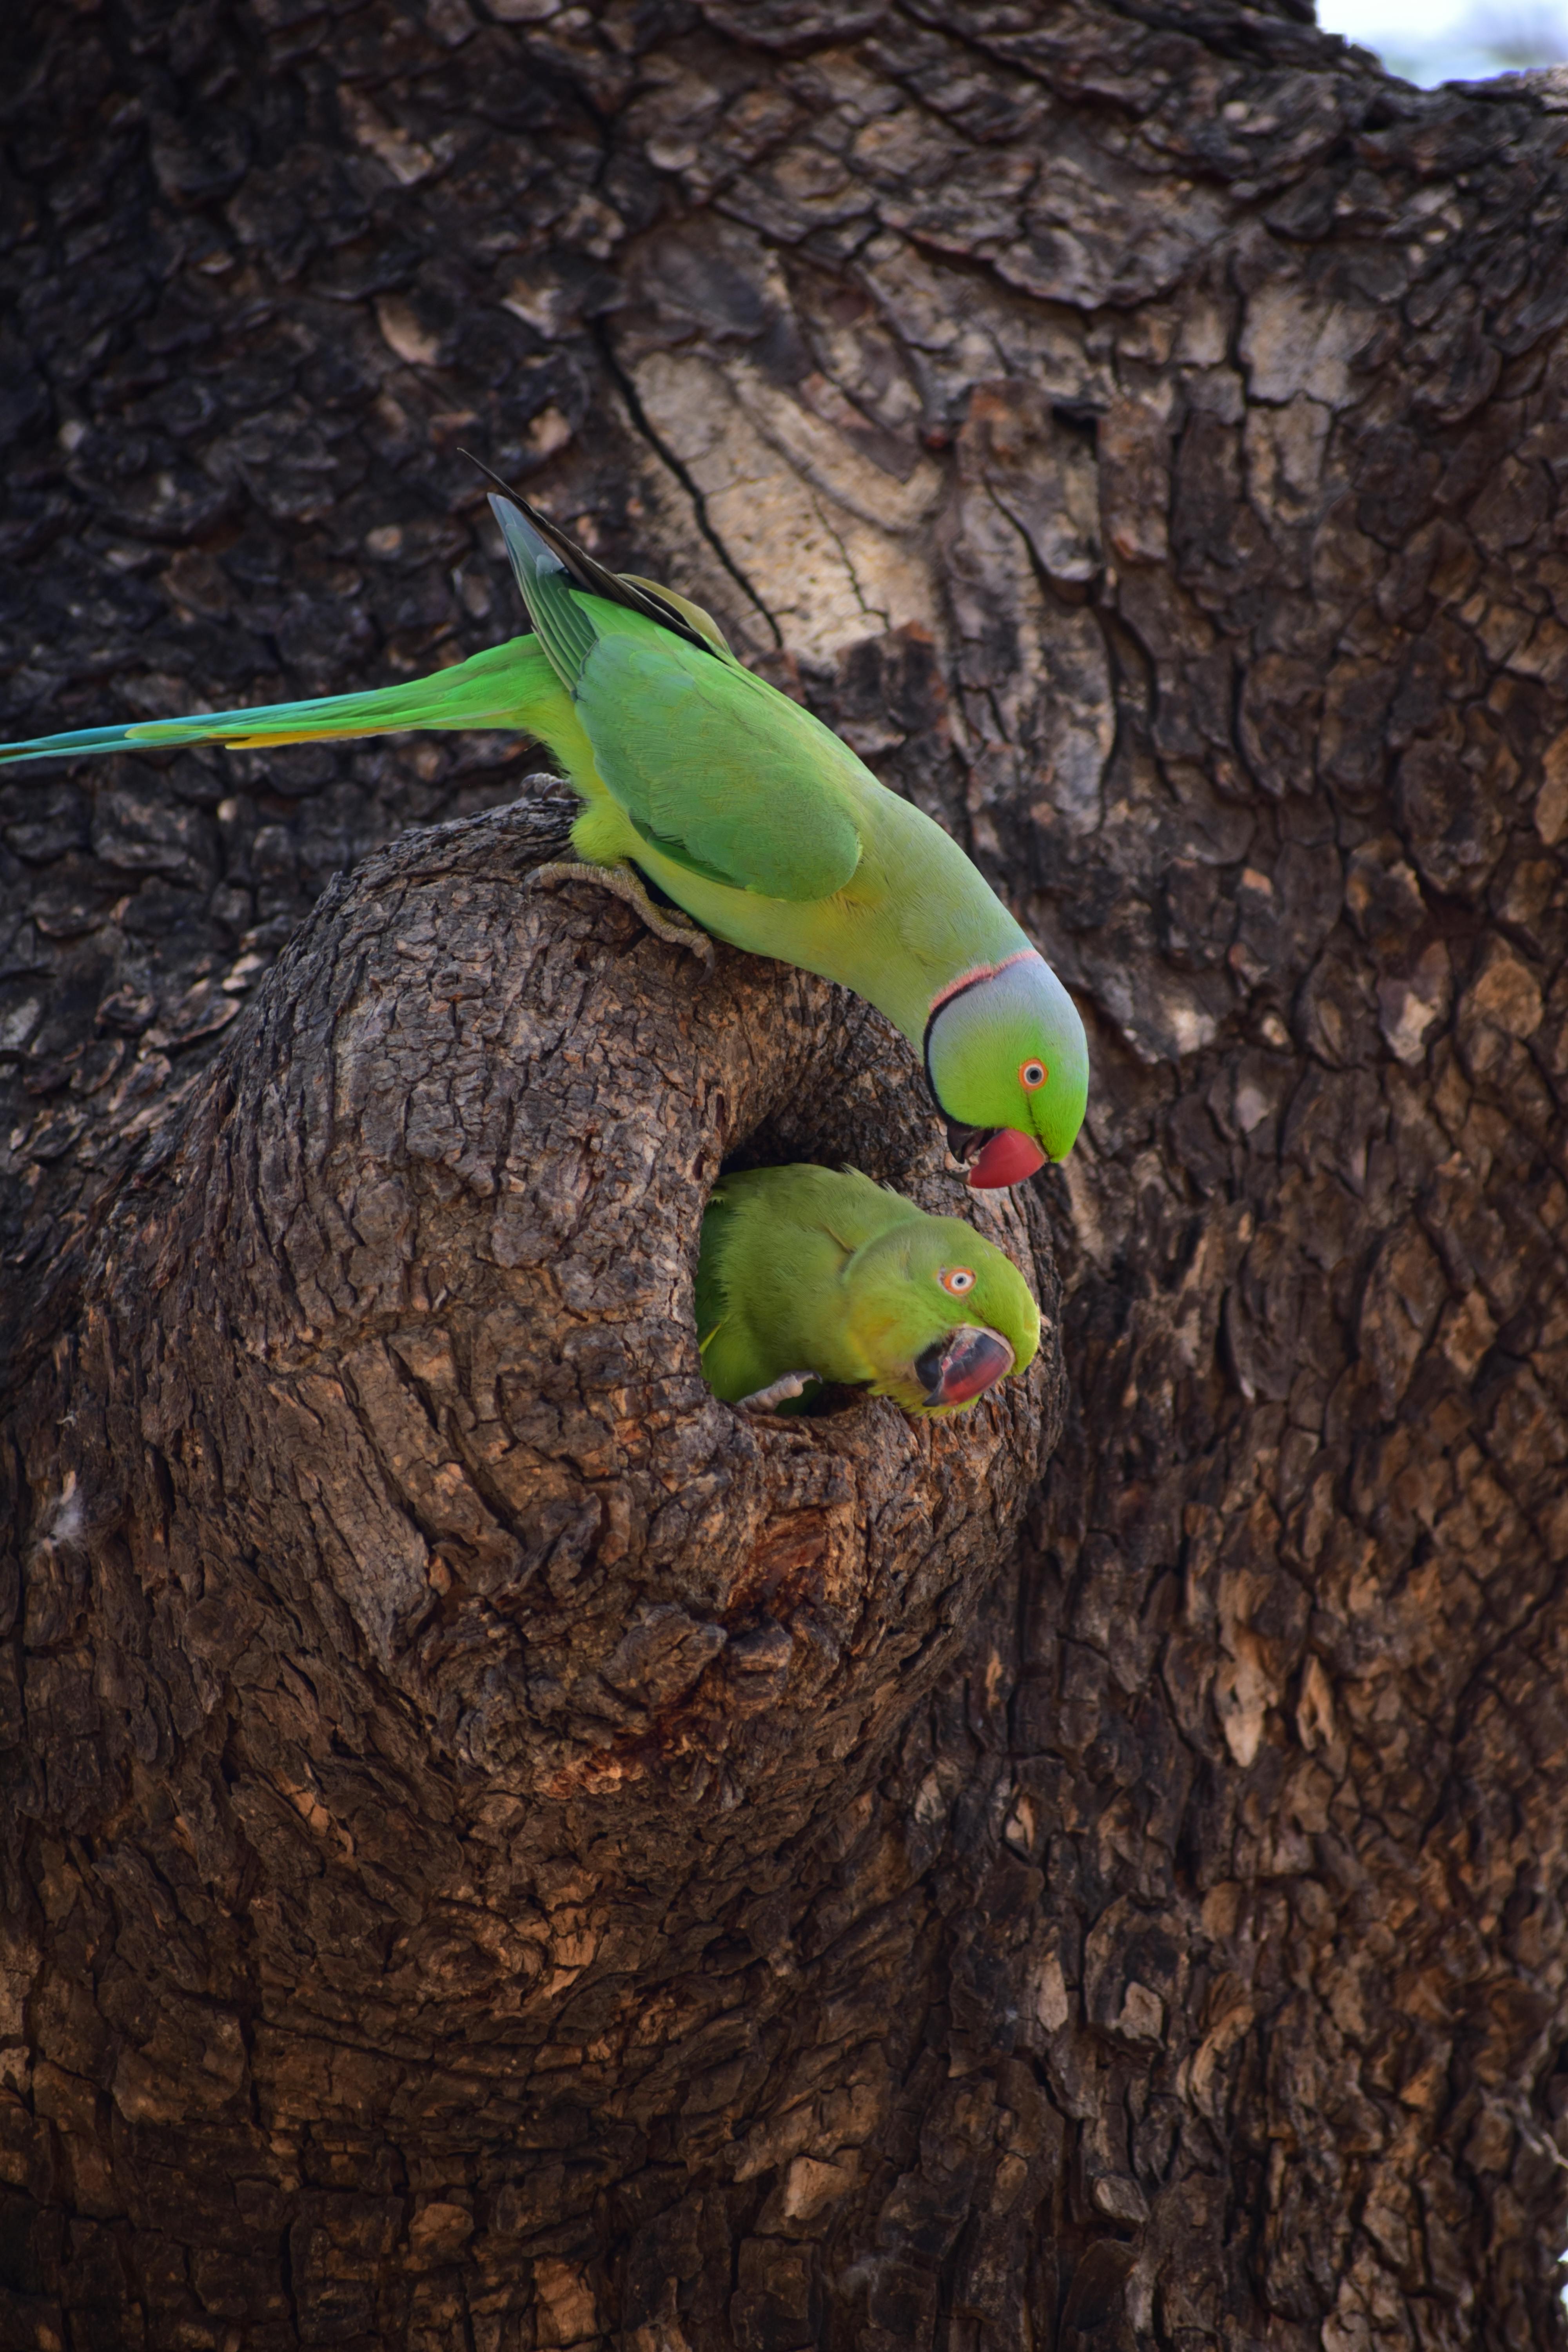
1006, 1159
962, 1365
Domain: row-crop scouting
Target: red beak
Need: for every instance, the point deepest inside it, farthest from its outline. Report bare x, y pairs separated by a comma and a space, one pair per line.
1006, 1159
969, 1363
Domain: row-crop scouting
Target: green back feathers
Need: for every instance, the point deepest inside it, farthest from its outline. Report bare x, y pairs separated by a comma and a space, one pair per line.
776, 1242
713, 768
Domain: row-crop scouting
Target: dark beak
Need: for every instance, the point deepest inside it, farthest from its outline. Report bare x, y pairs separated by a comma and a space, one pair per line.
962, 1365
963, 1142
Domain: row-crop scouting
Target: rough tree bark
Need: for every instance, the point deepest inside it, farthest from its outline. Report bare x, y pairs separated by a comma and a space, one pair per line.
500, 1852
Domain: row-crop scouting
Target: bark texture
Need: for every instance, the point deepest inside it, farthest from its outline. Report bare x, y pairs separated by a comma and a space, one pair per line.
501, 1851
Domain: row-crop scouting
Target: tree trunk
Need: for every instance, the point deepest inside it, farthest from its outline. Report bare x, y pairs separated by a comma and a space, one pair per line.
500, 1849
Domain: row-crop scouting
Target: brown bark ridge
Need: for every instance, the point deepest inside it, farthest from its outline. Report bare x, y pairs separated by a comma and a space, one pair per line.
501, 1851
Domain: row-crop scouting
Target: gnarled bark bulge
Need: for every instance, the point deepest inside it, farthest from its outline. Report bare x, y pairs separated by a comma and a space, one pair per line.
426, 1658
386, 1384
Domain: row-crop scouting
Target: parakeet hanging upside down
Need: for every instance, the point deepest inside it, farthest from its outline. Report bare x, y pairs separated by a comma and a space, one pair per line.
747, 813
812, 1274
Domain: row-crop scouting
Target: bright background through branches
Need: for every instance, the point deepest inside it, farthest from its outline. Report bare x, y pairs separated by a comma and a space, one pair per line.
1433, 41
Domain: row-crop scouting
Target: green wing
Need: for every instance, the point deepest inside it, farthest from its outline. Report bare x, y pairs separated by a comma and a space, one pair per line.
733, 1365
716, 769
511, 686
710, 1302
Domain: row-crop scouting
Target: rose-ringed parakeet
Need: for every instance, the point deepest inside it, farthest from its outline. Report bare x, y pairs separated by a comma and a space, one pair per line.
748, 814
809, 1276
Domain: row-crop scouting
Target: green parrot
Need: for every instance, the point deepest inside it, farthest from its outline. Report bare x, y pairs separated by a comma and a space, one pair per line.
747, 813
813, 1275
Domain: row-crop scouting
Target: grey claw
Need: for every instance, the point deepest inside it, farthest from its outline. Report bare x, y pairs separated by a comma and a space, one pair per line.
780, 1391
625, 882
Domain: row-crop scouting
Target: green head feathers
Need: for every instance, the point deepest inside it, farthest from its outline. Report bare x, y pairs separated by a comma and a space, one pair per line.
1005, 1049
924, 1300
814, 1274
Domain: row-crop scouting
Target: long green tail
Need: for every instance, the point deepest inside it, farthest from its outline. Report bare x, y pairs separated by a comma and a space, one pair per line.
510, 686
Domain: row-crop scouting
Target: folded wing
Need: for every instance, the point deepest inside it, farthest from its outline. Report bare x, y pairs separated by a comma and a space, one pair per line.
717, 771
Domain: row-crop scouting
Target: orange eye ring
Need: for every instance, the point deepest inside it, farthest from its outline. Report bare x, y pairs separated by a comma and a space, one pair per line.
957, 1280
1032, 1075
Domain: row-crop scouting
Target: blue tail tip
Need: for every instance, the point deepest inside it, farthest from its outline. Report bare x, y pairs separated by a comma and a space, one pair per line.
521, 536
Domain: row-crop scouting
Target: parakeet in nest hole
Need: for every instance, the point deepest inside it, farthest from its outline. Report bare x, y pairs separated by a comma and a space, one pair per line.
808, 1276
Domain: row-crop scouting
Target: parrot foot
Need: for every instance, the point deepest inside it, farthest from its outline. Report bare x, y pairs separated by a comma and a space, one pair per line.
783, 1390
626, 883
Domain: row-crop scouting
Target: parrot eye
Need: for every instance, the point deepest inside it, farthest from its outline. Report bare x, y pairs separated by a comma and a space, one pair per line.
1032, 1075
956, 1279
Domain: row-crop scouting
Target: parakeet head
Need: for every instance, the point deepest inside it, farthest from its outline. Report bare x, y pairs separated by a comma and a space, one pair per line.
941, 1313
1009, 1063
